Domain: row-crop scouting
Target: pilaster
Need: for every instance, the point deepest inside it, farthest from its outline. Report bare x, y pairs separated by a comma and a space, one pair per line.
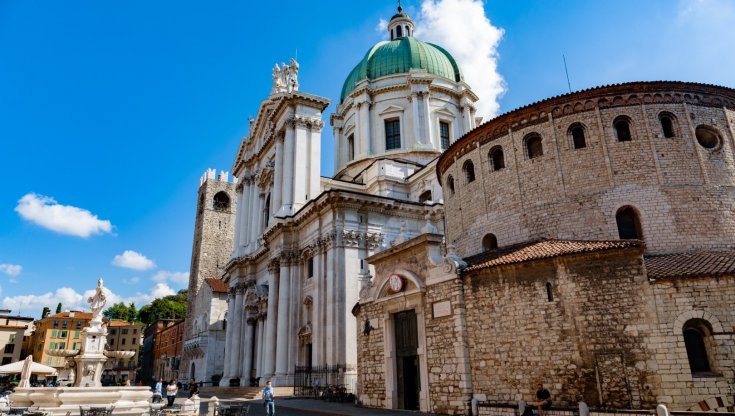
271, 341
283, 320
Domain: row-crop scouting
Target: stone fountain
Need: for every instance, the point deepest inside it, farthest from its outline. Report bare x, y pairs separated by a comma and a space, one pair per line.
85, 366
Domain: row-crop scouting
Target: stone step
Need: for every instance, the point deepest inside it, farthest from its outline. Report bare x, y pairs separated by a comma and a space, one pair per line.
247, 393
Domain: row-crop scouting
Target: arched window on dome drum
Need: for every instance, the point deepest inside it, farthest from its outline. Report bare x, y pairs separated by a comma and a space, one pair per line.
469, 171
489, 242
425, 197
629, 225
221, 202
667, 124
496, 158
622, 129
392, 134
576, 131
399, 31
351, 148
444, 134
698, 343
450, 184
534, 147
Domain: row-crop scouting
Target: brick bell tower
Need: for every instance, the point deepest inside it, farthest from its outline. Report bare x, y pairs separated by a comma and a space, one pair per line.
213, 233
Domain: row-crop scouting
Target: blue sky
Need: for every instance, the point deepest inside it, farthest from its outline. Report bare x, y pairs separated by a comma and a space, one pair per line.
115, 109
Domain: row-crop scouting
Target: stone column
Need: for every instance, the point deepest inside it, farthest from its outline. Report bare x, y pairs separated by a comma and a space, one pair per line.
295, 308
247, 363
364, 113
416, 122
271, 341
426, 139
234, 362
259, 345
316, 331
229, 344
239, 219
329, 308
255, 217
288, 170
466, 119
248, 208
340, 153
284, 295
278, 177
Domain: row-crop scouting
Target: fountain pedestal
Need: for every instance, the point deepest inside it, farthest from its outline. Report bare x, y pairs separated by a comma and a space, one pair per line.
90, 362
87, 366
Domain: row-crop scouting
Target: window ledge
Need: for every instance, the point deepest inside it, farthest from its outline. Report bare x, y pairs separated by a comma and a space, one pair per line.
706, 375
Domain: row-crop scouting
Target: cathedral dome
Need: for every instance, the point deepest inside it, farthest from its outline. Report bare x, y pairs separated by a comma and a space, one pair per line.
400, 55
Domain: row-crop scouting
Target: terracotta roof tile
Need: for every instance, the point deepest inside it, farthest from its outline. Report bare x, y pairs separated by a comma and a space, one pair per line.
543, 249
707, 263
115, 322
77, 315
216, 285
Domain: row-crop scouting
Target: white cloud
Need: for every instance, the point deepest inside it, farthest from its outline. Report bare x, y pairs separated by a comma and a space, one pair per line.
161, 290
64, 219
133, 260
462, 28
72, 300
133, 280
11, 269
382, 26
181, 278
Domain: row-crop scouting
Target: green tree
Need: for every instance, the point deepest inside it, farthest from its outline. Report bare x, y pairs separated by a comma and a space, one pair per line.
122, 312
58, 308
46, 312
169, 307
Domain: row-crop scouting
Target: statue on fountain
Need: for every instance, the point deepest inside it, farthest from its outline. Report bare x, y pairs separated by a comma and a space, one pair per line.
98, 301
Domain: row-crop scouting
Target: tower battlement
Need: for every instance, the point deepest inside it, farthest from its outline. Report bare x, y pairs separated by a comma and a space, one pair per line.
211, 174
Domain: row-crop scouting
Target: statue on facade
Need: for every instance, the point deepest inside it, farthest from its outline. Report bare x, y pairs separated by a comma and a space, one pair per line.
98, 301
286, 77
278, 82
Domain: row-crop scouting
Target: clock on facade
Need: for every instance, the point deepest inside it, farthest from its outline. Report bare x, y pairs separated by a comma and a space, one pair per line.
395, 282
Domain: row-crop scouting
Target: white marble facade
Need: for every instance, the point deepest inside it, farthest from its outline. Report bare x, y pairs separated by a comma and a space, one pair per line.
204, 347
300, 240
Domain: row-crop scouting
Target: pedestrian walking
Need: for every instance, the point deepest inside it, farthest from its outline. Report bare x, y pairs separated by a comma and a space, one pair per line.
171, 391
193, 388
268, 395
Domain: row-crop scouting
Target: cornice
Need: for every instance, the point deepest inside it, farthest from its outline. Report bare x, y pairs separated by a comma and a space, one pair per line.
605, 97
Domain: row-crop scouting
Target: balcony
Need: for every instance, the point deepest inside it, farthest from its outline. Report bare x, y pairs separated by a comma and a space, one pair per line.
197, 344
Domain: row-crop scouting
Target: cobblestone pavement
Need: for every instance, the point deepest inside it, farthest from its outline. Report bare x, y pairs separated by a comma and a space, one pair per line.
307, 407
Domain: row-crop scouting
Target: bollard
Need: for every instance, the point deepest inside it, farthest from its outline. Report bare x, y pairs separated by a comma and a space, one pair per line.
213, 405
661, 410
584, 410
197, 403
475, 409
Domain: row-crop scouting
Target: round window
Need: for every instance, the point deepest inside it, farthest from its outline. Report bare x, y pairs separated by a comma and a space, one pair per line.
707, 137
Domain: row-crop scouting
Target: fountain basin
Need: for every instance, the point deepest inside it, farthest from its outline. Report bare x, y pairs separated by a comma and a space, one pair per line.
62, 353
119, 354
60, 400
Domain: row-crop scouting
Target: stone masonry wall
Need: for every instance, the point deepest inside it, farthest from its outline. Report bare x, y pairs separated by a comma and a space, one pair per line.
578, 344
684, 192
677, 301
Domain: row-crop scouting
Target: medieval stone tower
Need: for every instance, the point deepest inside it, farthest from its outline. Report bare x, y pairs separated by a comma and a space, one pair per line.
213, 231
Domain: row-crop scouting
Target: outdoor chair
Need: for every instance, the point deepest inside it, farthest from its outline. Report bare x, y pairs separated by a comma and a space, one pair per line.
156, 411
96, 411
233, 410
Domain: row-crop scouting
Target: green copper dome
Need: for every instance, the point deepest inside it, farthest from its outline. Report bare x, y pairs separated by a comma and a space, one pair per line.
400, 56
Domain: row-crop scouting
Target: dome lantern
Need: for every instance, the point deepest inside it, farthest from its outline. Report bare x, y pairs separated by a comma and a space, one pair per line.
400, 25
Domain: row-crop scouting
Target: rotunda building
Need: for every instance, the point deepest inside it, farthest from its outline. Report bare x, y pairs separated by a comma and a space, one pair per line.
645, 160
406, 99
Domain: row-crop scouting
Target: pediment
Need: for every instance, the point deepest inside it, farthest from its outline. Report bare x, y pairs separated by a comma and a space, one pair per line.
445, 112
391, 109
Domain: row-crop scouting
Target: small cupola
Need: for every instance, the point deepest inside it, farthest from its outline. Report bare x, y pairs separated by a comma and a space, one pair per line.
400, 25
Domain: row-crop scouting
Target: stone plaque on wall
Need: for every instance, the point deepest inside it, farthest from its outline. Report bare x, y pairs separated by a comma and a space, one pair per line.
443, 308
